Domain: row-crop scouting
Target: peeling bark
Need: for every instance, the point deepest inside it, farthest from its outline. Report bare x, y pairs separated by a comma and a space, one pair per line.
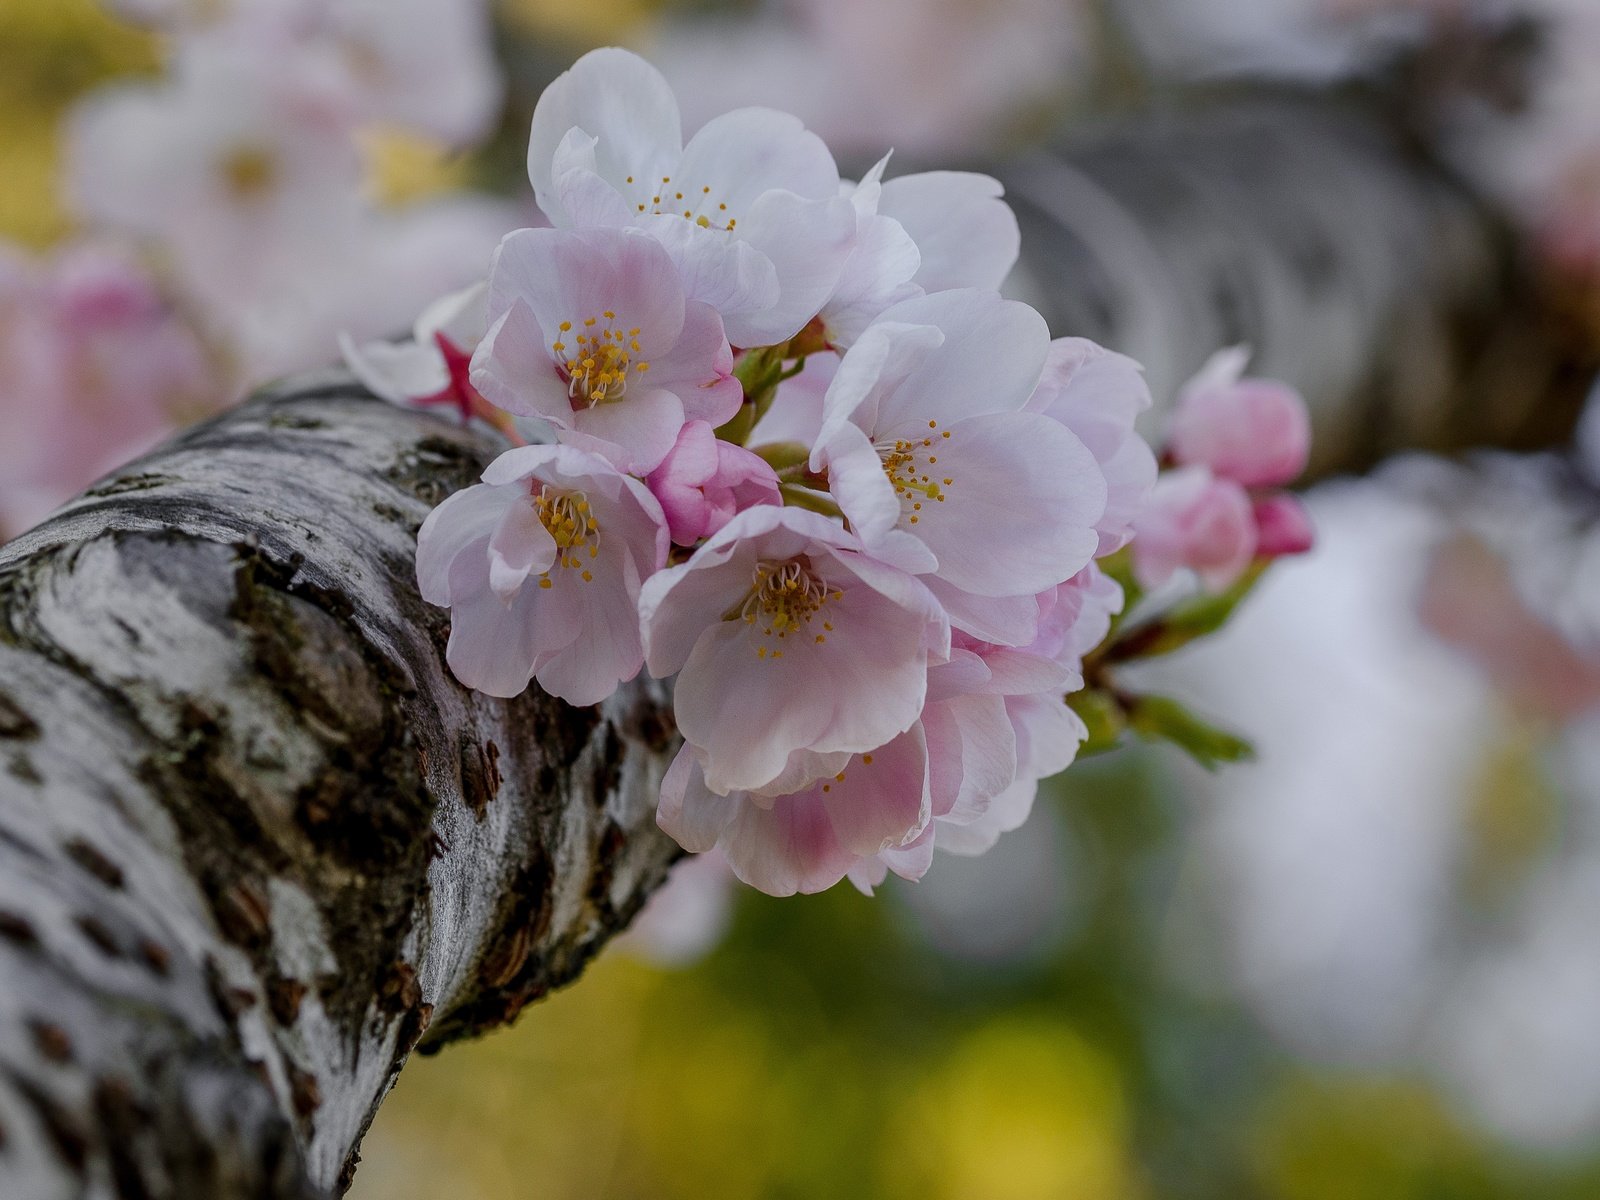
256, 845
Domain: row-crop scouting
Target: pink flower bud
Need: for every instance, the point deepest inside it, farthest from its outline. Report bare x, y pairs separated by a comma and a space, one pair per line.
1198, 521
703, 482
1252, 431
1282, 526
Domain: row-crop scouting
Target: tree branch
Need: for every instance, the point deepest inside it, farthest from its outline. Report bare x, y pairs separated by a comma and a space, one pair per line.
1327, 238
255, 842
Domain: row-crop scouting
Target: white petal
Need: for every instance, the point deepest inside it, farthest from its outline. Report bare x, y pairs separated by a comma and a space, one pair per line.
512, 368
747, 152
807, 242
966, 234
578, 275
519, 546
859, 485
491, 646
399, 372
580, 197
621, 101
786, 849
461, 316
467, 517
634, 433
690, 813
880, 362
1019, 514
884, 803
993, 355
725, 273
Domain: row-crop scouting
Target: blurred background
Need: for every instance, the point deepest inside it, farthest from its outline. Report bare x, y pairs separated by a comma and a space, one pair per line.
1366, 965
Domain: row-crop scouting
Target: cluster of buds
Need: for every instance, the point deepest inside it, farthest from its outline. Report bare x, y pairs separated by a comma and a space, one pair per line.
786, 443
1232, 445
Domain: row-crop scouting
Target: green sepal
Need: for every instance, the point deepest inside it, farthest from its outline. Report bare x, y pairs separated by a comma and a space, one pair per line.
1158, 718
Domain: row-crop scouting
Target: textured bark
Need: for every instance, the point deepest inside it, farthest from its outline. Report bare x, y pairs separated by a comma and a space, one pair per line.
1326, 238
256, 844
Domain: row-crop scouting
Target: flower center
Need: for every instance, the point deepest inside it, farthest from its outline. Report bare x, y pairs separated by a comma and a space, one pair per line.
697, 204
912, 465
573, 526
248, 171
597, 362
784, 600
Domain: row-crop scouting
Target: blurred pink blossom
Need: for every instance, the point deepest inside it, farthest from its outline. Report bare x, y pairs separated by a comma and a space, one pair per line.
95, 368
242, 171
684, 920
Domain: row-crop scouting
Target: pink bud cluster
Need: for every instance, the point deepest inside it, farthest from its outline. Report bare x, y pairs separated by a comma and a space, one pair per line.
788, 447
1232, 444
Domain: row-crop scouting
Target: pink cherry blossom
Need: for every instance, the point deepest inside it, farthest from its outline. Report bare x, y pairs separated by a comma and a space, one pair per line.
1253, 431
1048, 734
432, 367
749, 208
788, 638
1282, 526
1074, 618
1194, 520
593, 333
1099, 395
919, 233
997, 721
806, 841
966, 235
95, 368
427, 65
704, 481
879, 271
931, 457
684, 920
541, 566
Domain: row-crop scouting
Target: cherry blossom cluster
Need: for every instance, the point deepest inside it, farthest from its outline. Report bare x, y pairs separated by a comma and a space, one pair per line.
788, 446
1232, 444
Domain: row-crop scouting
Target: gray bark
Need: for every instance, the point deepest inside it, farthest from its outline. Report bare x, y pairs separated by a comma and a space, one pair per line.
1326, 238
256, 844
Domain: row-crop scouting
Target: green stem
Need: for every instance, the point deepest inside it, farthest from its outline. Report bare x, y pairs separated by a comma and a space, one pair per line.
804, 497
780, 456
